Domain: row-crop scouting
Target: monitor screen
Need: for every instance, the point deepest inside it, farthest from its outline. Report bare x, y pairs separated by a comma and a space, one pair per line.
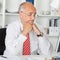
58, 50
58, 45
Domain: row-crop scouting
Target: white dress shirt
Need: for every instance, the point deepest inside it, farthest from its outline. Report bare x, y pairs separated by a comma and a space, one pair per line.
14, 41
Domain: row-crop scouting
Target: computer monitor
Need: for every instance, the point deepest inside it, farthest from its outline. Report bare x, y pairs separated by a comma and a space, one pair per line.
58, 45
58, 48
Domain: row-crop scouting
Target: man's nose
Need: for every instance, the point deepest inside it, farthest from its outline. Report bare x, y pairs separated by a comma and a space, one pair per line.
32, 17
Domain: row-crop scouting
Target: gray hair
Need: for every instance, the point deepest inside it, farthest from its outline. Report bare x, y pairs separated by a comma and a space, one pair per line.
21, 7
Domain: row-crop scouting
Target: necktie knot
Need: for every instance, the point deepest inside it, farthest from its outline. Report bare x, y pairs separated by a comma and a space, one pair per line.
28, 38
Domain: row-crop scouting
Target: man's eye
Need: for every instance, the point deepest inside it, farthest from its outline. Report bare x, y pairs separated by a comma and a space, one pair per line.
30, 14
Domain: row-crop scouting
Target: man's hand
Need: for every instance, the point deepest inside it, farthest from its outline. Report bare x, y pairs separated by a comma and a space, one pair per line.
27, 28
36, 30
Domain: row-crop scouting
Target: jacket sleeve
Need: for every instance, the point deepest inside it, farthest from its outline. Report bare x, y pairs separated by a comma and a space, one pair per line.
14, 41
45, 46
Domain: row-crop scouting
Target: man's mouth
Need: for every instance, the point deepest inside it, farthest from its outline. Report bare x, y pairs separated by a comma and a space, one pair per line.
31, 22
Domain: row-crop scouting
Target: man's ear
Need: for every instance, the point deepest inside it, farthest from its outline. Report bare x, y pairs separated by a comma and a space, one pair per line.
20, 13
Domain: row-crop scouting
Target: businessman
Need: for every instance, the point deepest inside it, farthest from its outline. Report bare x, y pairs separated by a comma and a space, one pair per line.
25, 36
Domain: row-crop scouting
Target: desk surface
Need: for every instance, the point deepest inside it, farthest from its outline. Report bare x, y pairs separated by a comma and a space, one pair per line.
31, 57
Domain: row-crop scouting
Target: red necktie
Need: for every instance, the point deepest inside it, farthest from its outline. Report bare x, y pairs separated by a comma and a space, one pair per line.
26, 46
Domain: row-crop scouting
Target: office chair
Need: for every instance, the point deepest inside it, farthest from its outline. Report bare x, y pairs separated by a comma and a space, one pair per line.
2, 40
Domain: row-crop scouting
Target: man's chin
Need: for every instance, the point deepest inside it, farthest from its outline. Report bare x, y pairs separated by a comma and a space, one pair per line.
31, 23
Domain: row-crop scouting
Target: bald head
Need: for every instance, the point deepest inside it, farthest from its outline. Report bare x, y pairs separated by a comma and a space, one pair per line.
27, 12
26, 5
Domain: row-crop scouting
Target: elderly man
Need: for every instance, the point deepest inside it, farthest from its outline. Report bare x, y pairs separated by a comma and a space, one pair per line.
23, 37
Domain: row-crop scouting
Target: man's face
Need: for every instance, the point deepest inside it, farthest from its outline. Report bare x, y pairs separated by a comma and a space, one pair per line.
28, 15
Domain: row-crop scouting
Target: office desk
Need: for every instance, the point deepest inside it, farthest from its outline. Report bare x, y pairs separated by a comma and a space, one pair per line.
31, 57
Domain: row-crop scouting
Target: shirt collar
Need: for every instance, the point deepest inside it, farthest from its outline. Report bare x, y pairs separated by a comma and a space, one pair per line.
21, 25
